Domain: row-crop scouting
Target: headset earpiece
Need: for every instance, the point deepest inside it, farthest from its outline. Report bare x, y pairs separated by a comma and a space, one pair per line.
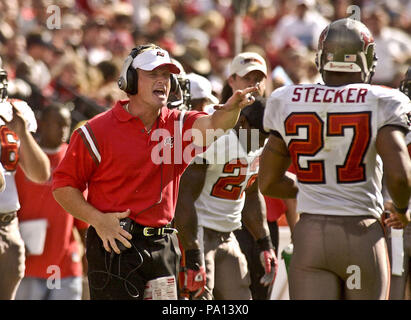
128, 80
174, 84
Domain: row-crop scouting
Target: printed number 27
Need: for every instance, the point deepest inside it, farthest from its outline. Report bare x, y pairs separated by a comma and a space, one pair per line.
353, 169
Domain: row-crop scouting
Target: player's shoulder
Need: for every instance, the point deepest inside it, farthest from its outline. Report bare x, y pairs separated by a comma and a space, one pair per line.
281, 92
384, 92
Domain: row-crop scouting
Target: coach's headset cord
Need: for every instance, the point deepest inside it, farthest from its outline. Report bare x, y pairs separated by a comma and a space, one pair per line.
109, 274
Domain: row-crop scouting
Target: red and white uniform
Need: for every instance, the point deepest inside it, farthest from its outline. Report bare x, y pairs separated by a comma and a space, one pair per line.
120, 164
230, 171
321, 125
9, 153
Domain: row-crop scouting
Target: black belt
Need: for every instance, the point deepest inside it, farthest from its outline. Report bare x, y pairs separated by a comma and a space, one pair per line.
140, 230
6, 218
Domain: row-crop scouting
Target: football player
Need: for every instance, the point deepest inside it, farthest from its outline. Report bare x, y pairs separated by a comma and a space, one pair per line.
217, 194
336, 135
17, 148
400, 280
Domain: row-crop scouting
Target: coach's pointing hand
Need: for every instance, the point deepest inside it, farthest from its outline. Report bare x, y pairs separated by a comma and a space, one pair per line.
239, 100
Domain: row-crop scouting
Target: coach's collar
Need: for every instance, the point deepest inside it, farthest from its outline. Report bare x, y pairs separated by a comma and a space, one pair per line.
119, 112
122, 115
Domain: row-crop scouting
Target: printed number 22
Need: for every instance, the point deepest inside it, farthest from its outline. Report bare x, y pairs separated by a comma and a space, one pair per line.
353, 169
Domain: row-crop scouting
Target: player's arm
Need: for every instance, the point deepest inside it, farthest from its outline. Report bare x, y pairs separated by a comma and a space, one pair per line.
397, 164
193, 276
224, 118
191, 184
33, 161
274, 179
254, 214
255, 219
291, 213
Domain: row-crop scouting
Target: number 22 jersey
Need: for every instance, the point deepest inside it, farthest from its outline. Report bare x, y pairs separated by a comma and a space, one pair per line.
330, 133
231, 170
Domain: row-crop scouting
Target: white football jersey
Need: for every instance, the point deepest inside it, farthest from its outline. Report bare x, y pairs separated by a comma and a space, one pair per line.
230, 171
330, 133
9, 154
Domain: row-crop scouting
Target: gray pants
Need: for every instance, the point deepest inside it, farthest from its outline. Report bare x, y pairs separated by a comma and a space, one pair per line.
339, 257
12, 259
226, 267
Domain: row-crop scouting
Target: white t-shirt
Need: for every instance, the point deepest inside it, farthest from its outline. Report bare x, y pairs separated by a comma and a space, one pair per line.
230, 171
330, 133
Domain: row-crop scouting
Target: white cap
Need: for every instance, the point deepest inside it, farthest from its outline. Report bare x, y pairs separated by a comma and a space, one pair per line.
154, 58
200, 87
246, 62
308, 3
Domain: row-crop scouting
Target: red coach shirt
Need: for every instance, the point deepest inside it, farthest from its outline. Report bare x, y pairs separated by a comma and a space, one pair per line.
120, 163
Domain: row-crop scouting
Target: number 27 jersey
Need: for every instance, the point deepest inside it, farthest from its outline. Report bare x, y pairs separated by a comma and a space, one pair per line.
330, 133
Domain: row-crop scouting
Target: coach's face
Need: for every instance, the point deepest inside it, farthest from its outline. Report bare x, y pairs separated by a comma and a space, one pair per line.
154, 86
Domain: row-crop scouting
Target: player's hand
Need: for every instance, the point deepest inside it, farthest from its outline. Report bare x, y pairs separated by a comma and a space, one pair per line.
268, 260
395, 220
108, 229
194, 275
270, 264
239, 100
17, 124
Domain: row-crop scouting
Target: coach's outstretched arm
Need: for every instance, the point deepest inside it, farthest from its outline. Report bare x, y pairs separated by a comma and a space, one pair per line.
225, 117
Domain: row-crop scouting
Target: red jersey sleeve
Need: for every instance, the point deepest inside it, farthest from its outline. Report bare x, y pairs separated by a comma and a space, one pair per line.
76, 167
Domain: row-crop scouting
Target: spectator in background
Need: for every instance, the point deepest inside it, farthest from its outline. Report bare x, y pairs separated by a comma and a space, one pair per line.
96, 39
40, 51
61, 249
202, 98
108, 92
304, 23
393, 46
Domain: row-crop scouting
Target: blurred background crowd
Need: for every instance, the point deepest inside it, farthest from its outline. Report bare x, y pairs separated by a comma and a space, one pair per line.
74, 56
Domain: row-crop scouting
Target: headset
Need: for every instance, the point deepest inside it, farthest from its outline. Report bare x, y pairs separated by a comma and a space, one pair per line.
128, 80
